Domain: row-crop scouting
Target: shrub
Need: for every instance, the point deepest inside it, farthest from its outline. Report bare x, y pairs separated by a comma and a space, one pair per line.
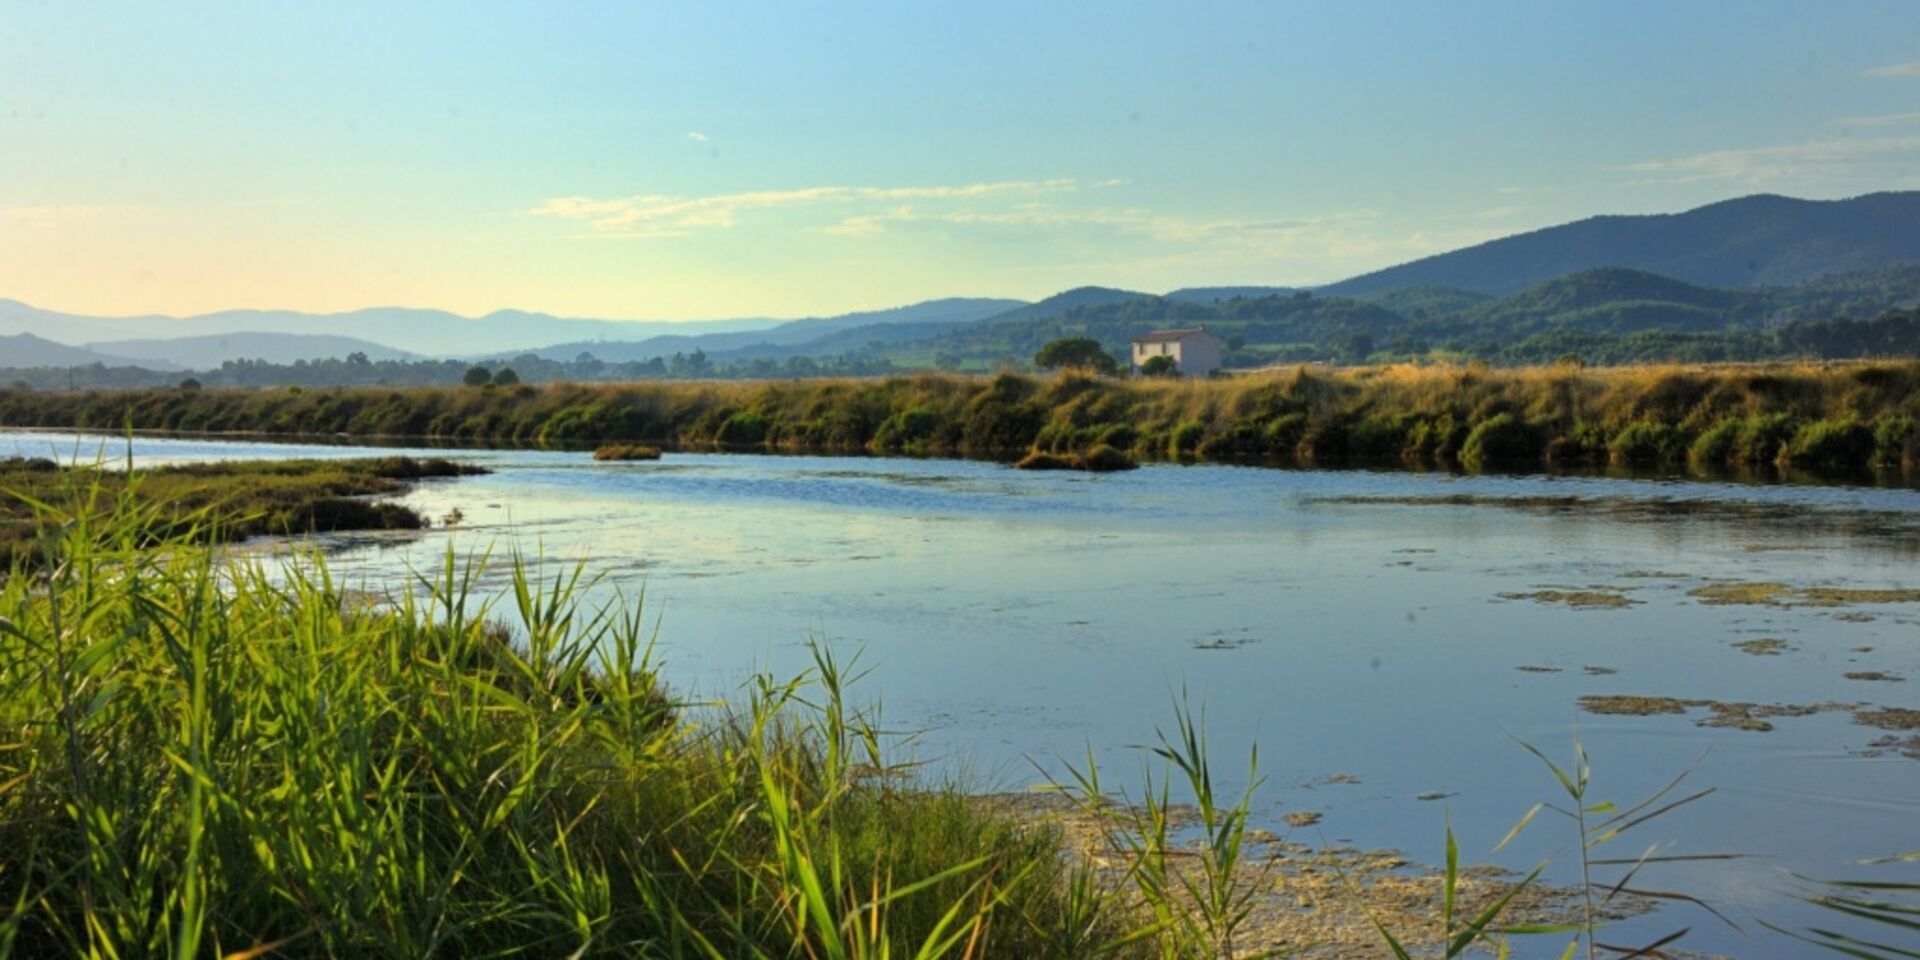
1501, 438
1646, 441
742, 428
1831, 443
906, 428
1105, 459
1716, 446
1897, 440
1185, 438
1376, 437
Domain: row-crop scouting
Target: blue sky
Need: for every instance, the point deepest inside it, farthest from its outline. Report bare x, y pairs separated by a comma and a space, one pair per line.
705, 160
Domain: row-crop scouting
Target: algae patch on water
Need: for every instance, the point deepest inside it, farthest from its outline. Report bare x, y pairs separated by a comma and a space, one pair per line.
1594, 598
1767, 647
1632, 706
1752, 717
1889, 718
1782, 595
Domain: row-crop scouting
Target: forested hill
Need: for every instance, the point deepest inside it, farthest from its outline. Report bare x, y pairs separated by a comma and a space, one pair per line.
1750, 241
1598, 311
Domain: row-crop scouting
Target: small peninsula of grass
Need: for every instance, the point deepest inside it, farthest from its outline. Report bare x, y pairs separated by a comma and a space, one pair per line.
1839, 416
1100, 459
626, 451
219, 501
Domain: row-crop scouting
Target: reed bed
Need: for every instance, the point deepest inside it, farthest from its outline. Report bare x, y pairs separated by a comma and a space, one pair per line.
1842, 416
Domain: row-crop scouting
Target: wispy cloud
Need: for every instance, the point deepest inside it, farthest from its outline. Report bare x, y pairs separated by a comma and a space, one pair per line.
1881, 120
1911, 68
696, 136
1757, 165
1161, 227
654, 215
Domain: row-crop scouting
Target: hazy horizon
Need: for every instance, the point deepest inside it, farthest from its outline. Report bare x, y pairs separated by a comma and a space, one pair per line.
664, 165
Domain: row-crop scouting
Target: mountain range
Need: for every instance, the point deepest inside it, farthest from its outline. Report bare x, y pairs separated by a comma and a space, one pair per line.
1739, 263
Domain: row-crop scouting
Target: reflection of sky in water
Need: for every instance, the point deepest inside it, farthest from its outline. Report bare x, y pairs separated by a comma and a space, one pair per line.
1013, 616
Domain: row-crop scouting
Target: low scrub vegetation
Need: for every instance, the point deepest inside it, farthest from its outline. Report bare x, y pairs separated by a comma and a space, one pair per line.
1845, 416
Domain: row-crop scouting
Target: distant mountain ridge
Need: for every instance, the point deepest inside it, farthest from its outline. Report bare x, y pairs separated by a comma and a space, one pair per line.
951, 310
1750, 241
1742, 263
211, 350
23, 350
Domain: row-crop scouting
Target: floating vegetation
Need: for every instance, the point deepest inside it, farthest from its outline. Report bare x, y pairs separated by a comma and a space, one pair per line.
1770, 594
1842, 597
1597, 598
1875, 676
1532, 668
1756, 717
1765, 647
1302, 818
1632, 706
1593, 671
1889, 718
1725, 594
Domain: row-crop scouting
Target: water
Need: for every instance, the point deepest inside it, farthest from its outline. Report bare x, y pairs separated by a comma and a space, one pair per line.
1347, 622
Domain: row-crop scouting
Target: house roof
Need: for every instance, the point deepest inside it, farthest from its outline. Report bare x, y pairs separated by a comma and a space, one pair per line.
1171, 336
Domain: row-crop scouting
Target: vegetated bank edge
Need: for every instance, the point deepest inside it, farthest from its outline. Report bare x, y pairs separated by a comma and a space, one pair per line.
218, 501
239, 759
1833, 416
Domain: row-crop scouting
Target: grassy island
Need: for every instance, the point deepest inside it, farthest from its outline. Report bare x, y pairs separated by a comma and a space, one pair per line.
1820, 415
218, 501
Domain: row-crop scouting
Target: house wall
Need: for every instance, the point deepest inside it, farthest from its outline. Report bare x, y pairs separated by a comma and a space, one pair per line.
1200, 355
1144, 351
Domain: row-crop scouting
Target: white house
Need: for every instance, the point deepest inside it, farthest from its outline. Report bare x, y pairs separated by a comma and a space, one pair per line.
1196, 352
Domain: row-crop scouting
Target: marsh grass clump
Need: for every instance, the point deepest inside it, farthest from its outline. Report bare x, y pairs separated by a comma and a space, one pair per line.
625, 451
210, 756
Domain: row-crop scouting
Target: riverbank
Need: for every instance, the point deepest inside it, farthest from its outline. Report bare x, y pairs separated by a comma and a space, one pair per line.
212, 501
1824, 416
229, 761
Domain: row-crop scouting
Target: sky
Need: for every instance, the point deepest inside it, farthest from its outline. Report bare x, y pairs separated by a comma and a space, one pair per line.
713, 159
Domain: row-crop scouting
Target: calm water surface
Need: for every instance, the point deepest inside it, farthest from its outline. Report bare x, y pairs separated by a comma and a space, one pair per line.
1011, 619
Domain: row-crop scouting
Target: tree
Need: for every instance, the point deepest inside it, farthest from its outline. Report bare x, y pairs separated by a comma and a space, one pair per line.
477, 376
1081, 353
1160, 366
506, 377
357, 359
190, 385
